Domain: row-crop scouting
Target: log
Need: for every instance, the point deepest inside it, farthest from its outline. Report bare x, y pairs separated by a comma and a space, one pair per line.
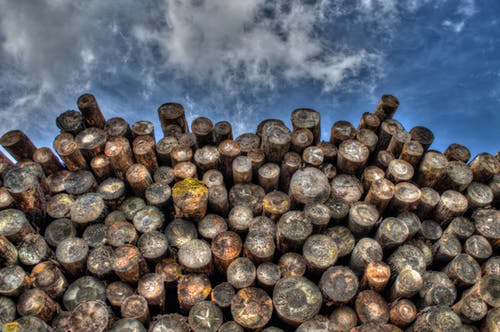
386, 107
92, 115
205, 315
164, 148
91, 142
68, 150
116, 127
202, 128
192, 288
457, 152
48, 160
369, 121
222, 294
226, 247
222, 131
70, 121
301, 139
339, 285
422, 135
120, 155
19, 146
251, 308
172, 114
143, 148
306, 118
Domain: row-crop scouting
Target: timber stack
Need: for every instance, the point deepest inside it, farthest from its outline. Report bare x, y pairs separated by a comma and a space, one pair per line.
276, 230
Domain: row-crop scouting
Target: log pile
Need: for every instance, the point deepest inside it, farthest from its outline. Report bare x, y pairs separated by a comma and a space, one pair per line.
275, 230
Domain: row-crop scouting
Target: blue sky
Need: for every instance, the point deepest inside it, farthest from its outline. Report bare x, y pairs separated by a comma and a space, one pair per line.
247, 60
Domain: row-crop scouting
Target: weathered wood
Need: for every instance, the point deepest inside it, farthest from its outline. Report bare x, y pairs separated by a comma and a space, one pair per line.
205, 316
120, 155
301, 139
18, 145
164, 148
339, 285
172, 114
128, 263
371, 307
369, 121
202, 128
226, 247
92, 115
222, 131
251, 308
457, 152
341, 131
386, 107
70, 121
191, 289
422, 135
118, 127
68, 150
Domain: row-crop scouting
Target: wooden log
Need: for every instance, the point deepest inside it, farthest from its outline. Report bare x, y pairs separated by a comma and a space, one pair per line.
320, 252
362, 218
175, 322
94, 235
412, 222
429, 199
407, 256
226, 247
368, 138
431, 230
301, 139
80, 182
6, 199
484, 166
422, 135
59, 230
369, 121
275, 204
101, 167
399, 171
218, 199
48, 160
230, 326
491, 320
329, 151
8, 252
192, 288
461, 227
471, 309
485, 221
268, 274
222, 294
318, 214
248, 142
478, 195
112, 191
252, 308
7, 311
228, 150
292, 264
398, 140
151, 286
463, 270
99, 262
14, 225
380, 194
344, 318
451, 204
172, 114
290, 164
412, 153
402, 313
135, 306
222, 131
195, 256
117, 292
296, 299
292, 230
313, 156
18, 145
478, 247
446, 248
128, 263
91, 142
241, 273
242, 169
341, 131
117, 126
70, 121
343, 239
144, 152
386, 107
13, 280
143, 128
305, 118
406, 197
164, 148
439, 318
181, 153
338, 285
180, 231
72, 254
164, 174
153, 246
457, 176
35, 302
376, 276
120, 155
247, 194
190, 198
121, 233
408, 283
127, 324
205, 316
86, 288
158, 194
383, 158
207, 158
88, 208
202, 128
68, 150
33, 250
301, 189
388, 128
269, 175
276, 143
365, 251
457, 152
370, 175
185, 170
371, 307
92, 115
437, 289
391, 233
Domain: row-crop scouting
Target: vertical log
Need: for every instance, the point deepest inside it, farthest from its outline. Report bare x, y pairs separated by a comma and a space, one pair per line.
412, 152
339, 285
202, 128
120, 155
226, 247
92, 116
172, 114
91, 142
341, 131
386, 107
139, 178
67, 149
256, 301
290, 163
422, 135
301, 139
101, 167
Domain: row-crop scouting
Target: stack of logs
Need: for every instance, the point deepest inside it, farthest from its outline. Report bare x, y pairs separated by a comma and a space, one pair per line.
269, 231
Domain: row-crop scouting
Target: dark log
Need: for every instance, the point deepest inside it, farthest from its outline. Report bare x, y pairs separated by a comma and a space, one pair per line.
268, 274
164, 174
269, 175
478, 247
429, 199
478, 195
339, 285
320, 252
376, 276
14, 225
18, 145
386, 107
181, 153
391, 233
436, 318
347, 187
471, 309
117, 126
463, 270
153, 246
33, 250
128, 263
431, 230
7, 311
228, 150
70, 121
226, 247
371, 307
301, 139
121, 233
6, 199
457, 152
398, 140
92, 116
407, 284
195, 256
388, 128
485, 221
461, 227
241, 273
151, 286
202, 128
99, 262
399, 171
365, 251
383, 158
369, 121
35, 302
406, 197
251, 308
143, 128
484, 166
59, 230
72, 254
185, 170
407, 256
437, 289
368, 138
117, 292
205, 316
48, 160
112, 191
120, 155
230, 326
343, 239
305, 118
403, 313
91, 142
248, 142
222, 294
344, 318
8, 252
446, 248
172, 114
292, 264
452, 204
412, 153
292, 230
318, 214
158, 194
192, 288
175, 322
362, 218
370, 175
135, 306
341, 131
290, 164
88, 208
296, 299
248, 194
242, 169
144, 152
80, 182
276, 142
207, 158
164, 148
127, 325
222, 131
422, 135
412, 222
259, 247
101, 167
309, 185
84, 289
180, 231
